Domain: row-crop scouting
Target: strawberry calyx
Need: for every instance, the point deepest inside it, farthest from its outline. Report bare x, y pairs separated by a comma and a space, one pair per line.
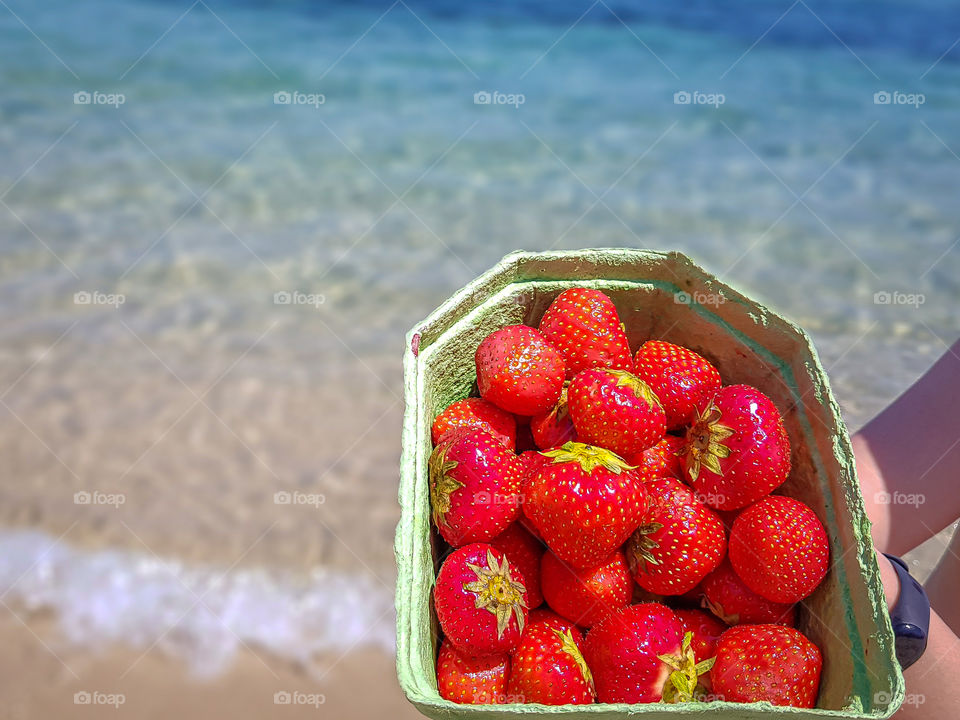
498, 592
561, 411
589, 457
705, 441
717, 609
683, 685
640, 388
442, 484
642, 546
568, 646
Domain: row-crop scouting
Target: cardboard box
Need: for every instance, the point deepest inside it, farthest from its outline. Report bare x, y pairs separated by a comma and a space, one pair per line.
658, 295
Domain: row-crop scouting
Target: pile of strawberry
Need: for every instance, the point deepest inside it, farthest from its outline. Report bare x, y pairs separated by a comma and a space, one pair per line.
639, 556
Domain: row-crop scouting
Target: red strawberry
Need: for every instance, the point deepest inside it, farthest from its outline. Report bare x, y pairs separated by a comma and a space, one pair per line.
478, 414
679, 377
475, 485
584, 326
471, 680
548, 667
640, 655
531, 460
519, 371
661, 460
726, 596
481, 605
779, 549
586, 596
737, 448
767, 662
554, 427
615, 410
584, 504
679, 541
545, 614
523, 551
706, 630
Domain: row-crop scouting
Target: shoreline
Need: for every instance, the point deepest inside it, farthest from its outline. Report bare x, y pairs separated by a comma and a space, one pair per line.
35, 682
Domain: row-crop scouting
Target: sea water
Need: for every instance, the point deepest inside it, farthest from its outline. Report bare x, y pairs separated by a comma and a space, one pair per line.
218, 220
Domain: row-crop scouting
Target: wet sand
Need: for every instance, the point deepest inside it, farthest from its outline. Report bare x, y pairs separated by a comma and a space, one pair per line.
36, 683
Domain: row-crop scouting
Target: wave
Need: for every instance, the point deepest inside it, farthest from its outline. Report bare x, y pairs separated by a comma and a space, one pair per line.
201, 615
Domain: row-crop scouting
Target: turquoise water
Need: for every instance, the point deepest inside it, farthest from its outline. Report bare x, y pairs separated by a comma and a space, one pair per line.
199, 198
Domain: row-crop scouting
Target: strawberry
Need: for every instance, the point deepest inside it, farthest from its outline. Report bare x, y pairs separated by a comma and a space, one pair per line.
681, 378
531, 460
727, 597
614, 409
523, 551
475, 485
519, 371
554, 427
472, 680
545, 614
705, 630
767, 662
737, 448
779, 549
476, 413
661, 460
586, 596
679, 541
584, 326
481, 604
584, 504
547, 667
640, 655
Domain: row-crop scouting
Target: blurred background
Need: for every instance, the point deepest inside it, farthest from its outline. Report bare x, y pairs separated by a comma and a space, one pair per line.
218, 219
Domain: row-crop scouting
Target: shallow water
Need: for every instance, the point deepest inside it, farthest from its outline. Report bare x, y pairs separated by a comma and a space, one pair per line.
199, 397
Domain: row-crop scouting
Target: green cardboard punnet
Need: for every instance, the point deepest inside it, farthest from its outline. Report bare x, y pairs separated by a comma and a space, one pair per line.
659, 295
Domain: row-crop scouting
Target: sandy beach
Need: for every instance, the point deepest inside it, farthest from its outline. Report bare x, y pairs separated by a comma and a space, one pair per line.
204, 288
36, 683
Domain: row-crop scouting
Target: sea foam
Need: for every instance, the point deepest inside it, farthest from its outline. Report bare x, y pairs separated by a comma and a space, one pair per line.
202, 615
